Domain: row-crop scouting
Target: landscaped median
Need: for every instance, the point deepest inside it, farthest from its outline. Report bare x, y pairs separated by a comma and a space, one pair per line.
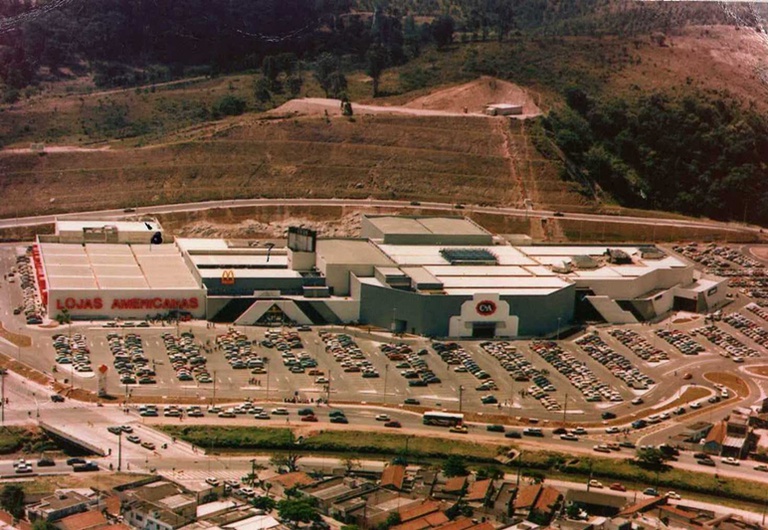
706, 486
359, 442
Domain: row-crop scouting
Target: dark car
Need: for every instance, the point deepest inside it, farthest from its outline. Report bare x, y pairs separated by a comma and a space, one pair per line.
338, 419
703, 462
57, 398
75, 460
87, 466
608, 415
512, 434
46, 462
495, 428
306, 412
393, 423
412, 401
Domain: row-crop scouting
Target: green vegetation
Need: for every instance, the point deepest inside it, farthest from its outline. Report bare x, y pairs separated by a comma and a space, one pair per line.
455, 466
11, 440
298, 510
699, 153
355, 442
220, 437
535, 464
12, 500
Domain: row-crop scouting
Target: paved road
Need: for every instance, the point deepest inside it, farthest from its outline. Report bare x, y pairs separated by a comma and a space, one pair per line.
434, 206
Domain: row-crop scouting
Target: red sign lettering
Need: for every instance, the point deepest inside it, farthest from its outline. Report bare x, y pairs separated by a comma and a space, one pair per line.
486, 308
71, 303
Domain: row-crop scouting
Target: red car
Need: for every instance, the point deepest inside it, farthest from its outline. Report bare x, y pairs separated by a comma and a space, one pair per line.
395, 424
617, 487
309, 418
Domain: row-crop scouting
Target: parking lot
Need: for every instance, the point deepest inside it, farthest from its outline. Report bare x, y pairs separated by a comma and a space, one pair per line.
604, 369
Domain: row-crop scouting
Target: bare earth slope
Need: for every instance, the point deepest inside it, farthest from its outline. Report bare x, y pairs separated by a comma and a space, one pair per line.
475, 95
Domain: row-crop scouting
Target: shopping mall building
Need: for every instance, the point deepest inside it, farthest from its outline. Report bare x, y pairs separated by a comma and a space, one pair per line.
436, 276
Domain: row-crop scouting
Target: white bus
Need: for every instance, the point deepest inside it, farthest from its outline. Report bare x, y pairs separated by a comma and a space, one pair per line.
443, 419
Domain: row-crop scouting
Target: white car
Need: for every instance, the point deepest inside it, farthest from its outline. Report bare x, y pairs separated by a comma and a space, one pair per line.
696, 405
637, 401
612, 430
673, 495
247, 491
595, 484
730, 461
212, 481
382, 417
280, 411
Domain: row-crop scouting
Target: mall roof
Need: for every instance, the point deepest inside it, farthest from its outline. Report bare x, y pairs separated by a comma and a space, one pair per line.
426, 225
122, 226
350, 252
238, 261
115, 266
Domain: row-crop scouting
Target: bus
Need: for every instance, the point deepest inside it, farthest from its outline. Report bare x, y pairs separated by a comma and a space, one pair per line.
443, 419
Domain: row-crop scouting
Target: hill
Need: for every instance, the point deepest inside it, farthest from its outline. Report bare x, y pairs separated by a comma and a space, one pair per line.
208, 136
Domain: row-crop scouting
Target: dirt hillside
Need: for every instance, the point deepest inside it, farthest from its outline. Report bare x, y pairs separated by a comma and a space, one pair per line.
475, 95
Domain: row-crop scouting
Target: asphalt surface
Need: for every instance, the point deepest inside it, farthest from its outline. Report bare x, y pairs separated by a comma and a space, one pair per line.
428, 206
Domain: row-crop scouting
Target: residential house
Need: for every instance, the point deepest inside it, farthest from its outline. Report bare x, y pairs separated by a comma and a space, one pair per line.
713, 443
393, 477
536, 502
695, 432
61, 504
479, 491
643, 506
596, 502
82, 521
280, 483
336, 490
159, 505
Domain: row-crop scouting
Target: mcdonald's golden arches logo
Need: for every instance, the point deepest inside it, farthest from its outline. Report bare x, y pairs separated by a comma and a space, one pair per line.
228, 277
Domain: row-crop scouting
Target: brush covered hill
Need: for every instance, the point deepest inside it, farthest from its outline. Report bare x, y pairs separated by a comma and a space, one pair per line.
185, 136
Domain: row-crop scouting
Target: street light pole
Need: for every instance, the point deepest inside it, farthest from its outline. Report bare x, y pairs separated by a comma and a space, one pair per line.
461, 396
386, 373
120, 451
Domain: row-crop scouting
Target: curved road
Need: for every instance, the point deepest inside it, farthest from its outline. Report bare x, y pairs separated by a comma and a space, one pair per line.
436, 206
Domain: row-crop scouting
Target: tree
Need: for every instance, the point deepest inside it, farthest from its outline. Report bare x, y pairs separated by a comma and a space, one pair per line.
442, 30
651, 457
270, 69
229, 106
288, 460
350, 463
377, 63
261, 90
329, 75
455, 466
297, 511
12, 500
264, 503
492, 472
42, 524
